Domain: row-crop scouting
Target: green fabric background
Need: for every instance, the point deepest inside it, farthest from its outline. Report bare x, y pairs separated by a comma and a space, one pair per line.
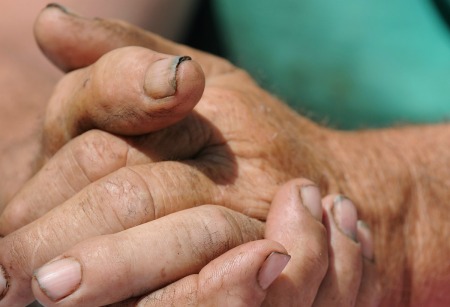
350, 63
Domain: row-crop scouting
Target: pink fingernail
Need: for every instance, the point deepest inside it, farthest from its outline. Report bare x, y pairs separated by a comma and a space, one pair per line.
3, 282
59, 278
364, 236
345, 216
272, 268
312, 200
161, 77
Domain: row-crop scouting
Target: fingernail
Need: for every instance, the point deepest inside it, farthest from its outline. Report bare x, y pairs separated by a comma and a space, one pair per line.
345, 216
272, 268
364, 236
312, 200
59, 278
62, 9
3, 282
161, 77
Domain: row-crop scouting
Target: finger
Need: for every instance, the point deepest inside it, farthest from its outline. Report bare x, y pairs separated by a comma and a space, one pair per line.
124, 199
92, 156
341, 284
129, 91
370, 289
82, 161
143, 258
89, 39
304, 237
240, 277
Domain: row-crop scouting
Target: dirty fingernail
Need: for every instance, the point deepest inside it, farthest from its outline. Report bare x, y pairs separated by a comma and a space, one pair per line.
345, 216
161, 77
62, 8
312, 200
272, 268
59, 278
364, 236
3, 282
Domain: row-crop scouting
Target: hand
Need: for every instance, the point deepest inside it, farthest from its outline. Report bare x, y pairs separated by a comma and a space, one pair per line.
223, 150
27, 79
394, 175
244, 276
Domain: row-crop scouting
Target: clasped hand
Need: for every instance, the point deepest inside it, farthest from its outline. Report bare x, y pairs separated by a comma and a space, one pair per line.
136, 144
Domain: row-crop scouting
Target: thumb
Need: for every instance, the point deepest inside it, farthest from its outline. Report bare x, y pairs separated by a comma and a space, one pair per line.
128, 91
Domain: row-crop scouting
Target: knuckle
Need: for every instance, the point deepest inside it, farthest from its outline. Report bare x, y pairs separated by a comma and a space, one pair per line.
241, 108
223, 230
216, 237
22, 252
18, 256
97, 153
129, 198
241, 227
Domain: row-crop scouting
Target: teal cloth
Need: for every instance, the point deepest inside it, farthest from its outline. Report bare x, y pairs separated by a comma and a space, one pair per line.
350, 63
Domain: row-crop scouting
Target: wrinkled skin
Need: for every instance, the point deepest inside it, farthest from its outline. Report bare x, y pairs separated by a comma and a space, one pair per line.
234, 150
237, 148
325, 267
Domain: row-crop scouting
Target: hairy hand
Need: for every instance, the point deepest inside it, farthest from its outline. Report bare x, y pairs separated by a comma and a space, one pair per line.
234, 149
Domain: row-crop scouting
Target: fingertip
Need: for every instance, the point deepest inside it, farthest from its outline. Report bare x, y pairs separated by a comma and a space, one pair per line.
250, 270
272, 268
345, 215
311, 199
39, 295
190, 80
175, 76
302, 199
173, 85
51, 29
294, 221
59, 278
63, 9
48, 27
341, 283
288, 194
